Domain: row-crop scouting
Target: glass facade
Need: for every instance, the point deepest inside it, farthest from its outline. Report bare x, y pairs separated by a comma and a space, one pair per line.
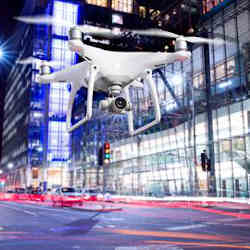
209, 5
122, 5
166, 159
102, 3
118, 5
58, 151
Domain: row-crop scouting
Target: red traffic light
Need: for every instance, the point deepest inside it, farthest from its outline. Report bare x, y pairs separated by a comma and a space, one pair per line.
106, 145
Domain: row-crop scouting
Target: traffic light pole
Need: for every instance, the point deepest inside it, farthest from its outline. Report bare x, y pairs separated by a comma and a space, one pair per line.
212, 181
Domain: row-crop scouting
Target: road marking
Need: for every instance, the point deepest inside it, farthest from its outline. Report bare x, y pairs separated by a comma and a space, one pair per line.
185, 227
19, 210
212, 223
150, 247
217, 245
28, 212
164, 234
236, 225
112, 219
98, 226
228, 219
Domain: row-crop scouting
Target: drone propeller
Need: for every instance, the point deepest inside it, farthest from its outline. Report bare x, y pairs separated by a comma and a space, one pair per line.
86, 29
42, 19
31, 60
167, 34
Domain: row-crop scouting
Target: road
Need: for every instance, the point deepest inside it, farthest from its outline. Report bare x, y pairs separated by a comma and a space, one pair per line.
30, 226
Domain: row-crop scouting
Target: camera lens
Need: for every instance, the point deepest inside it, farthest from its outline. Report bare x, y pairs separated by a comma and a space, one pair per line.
120, 103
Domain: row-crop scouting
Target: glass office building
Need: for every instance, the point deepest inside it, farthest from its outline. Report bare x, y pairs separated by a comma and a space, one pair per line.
35, 142
166, 159
36, 145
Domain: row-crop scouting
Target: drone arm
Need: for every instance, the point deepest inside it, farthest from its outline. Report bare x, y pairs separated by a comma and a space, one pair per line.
69, 74
77, 46
151, 84
93, 73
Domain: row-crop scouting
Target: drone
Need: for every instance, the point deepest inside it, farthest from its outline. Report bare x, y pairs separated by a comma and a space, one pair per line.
112, 72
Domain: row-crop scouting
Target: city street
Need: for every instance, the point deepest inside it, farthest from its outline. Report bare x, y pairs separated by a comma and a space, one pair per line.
35, 226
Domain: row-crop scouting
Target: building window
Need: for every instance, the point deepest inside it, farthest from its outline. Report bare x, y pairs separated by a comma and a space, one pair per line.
123, 5
142, 11
199, 80
102, 3
67, 12
210, 4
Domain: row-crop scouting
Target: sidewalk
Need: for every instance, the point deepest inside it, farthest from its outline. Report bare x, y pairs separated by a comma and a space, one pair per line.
186, 201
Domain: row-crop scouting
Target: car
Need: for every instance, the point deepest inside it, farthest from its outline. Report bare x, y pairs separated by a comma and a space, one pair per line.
21, 194
9, 195
90, 194
66, 196
36, 195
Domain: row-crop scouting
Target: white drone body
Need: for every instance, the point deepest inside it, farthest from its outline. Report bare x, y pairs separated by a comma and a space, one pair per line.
113, 72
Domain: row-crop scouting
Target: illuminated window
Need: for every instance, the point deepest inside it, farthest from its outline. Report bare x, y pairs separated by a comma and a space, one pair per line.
198, 80
230, 67
123, 5
58, 138
67, 12
142, 11
210, 4
102, 3
220, 72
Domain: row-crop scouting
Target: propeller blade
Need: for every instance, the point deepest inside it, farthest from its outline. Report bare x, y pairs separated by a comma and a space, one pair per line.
155, 32
99, 31
28, 60
194, 39
49, 20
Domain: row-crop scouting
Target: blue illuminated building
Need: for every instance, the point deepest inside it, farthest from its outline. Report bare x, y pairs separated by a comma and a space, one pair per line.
39, 122
204, 104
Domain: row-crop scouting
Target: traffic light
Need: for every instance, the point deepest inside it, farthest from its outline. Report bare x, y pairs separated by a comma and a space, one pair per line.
106, 153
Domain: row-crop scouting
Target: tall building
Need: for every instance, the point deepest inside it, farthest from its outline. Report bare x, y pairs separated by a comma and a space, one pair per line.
36, 146
204, 105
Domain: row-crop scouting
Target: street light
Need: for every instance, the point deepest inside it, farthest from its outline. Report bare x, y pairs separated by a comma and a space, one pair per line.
10, 165
1, 53
1, 171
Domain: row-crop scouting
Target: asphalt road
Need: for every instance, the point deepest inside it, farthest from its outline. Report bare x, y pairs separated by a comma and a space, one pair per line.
25, 226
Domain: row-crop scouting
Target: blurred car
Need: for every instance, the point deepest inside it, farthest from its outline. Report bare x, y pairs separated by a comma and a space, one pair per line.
9, 195
48, 194
66, 196
91, 194
36, 195
21, 194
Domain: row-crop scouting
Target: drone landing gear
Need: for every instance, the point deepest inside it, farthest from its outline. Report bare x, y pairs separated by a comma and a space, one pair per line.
152, 87
75, 87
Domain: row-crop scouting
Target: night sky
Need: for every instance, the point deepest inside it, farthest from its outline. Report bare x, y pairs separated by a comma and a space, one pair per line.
8, 9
